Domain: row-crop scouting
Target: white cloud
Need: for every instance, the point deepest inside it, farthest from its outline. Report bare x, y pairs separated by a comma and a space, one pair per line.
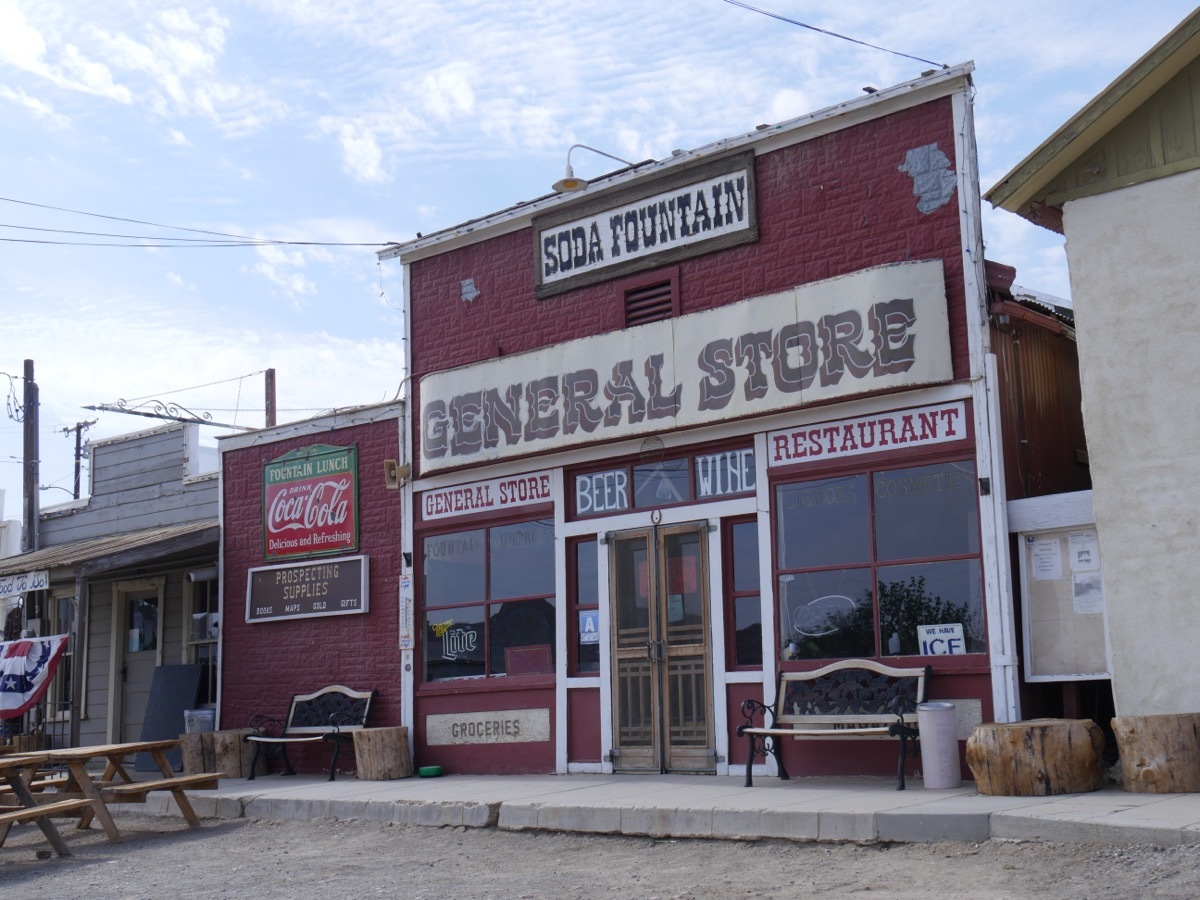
39, 108
361, 153
21, 44
178, 138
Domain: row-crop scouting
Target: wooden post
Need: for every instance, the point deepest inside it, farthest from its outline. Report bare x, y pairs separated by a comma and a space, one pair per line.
1036, 758
1159, 754
381, 754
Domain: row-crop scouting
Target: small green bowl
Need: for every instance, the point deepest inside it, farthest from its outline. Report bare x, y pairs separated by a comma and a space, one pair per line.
429, 772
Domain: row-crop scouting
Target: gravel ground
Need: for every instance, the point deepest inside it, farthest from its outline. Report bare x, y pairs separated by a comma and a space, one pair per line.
162, 858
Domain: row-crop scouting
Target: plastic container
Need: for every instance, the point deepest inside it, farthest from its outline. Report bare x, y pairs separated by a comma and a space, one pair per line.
196, 721
938, 722
429, 772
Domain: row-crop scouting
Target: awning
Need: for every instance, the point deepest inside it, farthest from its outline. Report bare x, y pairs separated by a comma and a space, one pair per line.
115, 551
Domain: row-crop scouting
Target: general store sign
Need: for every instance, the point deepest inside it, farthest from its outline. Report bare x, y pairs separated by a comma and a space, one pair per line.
332, 587
487, 496
873, 330
717, 204
310, 502
896, 430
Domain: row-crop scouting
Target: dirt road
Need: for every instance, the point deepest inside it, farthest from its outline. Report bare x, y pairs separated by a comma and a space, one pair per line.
162, 858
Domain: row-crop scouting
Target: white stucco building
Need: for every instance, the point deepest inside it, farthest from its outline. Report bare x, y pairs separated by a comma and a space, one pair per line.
1121, 181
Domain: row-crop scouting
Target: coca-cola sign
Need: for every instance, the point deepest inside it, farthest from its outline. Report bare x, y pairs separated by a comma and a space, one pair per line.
310, 502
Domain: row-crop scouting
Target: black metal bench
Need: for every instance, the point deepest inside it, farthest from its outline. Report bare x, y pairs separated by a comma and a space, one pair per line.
333, 714
851, 698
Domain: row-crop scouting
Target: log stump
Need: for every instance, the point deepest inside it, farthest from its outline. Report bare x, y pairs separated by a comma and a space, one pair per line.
381, 754
1036, 758
219, 751
1159, 754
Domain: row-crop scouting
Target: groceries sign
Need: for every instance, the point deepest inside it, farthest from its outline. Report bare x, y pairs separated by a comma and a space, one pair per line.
873, 330
310, 502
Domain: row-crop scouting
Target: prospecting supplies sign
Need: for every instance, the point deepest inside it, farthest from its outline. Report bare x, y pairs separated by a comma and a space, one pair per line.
873, 330
310, 502
331, 587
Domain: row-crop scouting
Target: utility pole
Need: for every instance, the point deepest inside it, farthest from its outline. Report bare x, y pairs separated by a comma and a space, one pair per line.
270, 402
79, 428
31, 538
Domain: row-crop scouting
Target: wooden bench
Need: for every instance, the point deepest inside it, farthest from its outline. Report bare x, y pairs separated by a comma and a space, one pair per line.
333, 714
851, 698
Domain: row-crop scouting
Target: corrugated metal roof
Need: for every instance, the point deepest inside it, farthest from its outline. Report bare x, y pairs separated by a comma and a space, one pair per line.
98, 548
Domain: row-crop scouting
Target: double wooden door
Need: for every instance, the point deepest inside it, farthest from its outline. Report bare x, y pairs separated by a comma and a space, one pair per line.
662, 684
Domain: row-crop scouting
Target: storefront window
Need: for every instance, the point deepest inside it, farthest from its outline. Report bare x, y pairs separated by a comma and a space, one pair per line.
489, 601
585, 589
868, 562
741, 562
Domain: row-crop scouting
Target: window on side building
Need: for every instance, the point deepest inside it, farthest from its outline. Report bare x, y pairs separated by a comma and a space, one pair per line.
489, 606
868, 562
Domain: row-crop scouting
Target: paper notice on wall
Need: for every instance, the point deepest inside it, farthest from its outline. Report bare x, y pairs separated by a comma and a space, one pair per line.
1087, 593
406, 612
1084, 548
1047, 559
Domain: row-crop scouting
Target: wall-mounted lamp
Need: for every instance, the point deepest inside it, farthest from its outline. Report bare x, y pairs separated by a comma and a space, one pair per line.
569, 183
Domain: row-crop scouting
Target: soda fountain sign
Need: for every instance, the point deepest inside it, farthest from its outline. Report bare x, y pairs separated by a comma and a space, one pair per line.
310, 502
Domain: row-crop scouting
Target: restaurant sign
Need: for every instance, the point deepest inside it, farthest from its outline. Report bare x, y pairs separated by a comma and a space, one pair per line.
873, 330
310, 502
896, 430
331, 587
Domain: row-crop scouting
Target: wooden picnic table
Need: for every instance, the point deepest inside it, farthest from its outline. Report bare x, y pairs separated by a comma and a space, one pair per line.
17, 770
115, 784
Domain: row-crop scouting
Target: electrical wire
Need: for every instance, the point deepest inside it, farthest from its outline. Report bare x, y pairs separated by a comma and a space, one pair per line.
234, 240
843, 37
142, 237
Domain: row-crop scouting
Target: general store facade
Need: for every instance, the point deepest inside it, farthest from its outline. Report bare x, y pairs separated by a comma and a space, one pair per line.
721, 414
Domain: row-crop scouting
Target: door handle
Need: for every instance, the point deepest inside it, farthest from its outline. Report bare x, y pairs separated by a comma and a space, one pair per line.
662, 655
650, 651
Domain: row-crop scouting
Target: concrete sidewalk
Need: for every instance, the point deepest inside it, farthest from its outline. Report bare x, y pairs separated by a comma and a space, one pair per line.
692, 806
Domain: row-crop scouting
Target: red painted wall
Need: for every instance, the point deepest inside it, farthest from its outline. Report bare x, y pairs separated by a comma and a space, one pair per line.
266, 662
831, 206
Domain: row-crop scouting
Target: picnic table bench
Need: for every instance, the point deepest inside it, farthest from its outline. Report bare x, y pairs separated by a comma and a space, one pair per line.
851, 698
332, 714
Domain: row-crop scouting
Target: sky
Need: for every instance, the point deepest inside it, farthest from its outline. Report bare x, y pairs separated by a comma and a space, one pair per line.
342, 125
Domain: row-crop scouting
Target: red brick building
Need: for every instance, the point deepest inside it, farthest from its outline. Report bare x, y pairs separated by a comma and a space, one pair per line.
310, 567
719, 414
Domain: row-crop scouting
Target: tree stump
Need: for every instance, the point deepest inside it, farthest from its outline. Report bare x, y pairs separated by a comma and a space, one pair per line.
1159, 754
381, 754
219, 751
1036, 758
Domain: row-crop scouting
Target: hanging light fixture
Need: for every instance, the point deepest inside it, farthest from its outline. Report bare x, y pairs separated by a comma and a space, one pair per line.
569, 184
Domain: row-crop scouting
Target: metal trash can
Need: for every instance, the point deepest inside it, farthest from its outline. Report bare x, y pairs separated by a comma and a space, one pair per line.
938, 723
197, 721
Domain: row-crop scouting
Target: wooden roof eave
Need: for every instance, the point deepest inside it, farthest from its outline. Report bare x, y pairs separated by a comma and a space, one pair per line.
1020, 190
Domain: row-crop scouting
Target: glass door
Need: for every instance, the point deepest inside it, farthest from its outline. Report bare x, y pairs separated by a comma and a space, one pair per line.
662, 694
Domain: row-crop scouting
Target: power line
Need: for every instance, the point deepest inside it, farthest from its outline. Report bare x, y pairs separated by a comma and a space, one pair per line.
233, 241
207, 241
830, 33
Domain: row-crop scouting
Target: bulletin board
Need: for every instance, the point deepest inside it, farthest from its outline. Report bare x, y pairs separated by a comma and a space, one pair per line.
1062, 598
